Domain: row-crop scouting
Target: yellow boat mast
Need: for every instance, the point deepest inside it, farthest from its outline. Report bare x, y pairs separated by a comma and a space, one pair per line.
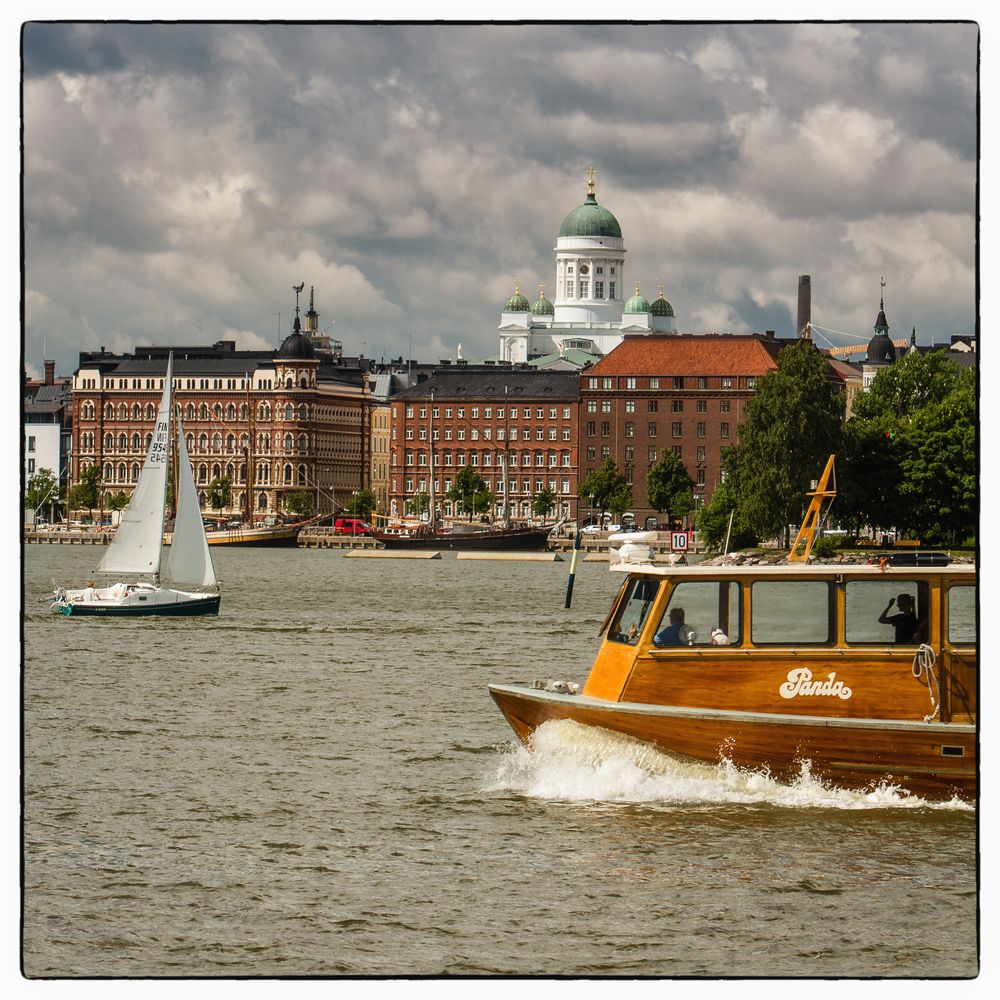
813, 518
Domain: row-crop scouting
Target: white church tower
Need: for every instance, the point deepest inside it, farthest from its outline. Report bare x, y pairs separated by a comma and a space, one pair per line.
589, 312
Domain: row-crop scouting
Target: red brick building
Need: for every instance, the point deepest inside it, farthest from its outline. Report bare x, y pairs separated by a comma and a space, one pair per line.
685, 393
496, 419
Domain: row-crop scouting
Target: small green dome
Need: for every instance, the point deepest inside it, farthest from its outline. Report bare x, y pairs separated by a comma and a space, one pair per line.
517, 303
590, 220
637, 304
542, 306
661, 307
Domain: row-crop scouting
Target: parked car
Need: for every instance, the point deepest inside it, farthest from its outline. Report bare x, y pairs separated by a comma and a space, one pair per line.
592, 529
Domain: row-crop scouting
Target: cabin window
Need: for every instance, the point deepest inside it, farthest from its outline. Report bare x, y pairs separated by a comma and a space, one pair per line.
788, 612
633, 610
701, 613
962, 615
886, 612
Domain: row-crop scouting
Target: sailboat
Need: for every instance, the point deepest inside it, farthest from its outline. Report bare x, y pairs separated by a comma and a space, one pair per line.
135, 554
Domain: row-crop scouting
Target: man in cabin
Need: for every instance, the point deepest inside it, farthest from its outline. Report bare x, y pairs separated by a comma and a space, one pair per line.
670, 635
905, 622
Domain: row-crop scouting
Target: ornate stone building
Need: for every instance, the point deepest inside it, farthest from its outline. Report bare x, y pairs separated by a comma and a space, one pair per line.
275, 422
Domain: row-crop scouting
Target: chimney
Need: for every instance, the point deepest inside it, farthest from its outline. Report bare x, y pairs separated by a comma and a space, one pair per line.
805, 306
50, 373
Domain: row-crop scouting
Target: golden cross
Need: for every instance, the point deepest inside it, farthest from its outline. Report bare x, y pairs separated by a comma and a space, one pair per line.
591, 174
541, 288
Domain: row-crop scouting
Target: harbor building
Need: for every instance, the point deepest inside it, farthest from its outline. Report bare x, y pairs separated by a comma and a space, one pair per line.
274, 421
684, 393
47, 432
594, 305
517, 427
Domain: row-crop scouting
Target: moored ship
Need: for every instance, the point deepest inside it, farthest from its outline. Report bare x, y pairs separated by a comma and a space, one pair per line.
868, 673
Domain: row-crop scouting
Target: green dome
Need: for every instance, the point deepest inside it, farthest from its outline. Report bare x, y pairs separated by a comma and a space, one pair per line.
637, 304
590, 220
517, 303
543, 307
661, 307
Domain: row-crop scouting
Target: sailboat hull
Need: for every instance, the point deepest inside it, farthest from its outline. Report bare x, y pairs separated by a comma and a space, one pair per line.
155, 603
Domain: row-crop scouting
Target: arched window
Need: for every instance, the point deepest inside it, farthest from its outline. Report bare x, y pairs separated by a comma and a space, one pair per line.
190, 411
231, 411
288, 442
109, 441
288, 473
189, 441
123, 412
135, 472
288, 382
123, 442
243, 411
289, 411
303, 411
203, 443
303, 383
230, 442
261, 501
150, 411
203, 411
217, 411
217, 442
109, 412
302, 475
109, 472
303, 443
136, 441
243, 472
202, 473
216, 471
137, 411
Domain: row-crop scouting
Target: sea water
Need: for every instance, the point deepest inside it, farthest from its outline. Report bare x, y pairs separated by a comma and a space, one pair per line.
317, 783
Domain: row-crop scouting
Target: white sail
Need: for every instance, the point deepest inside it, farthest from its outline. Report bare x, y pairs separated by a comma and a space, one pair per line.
138, 541
189, 561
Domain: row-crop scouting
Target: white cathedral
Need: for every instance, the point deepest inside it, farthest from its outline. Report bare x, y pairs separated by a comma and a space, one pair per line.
590, 313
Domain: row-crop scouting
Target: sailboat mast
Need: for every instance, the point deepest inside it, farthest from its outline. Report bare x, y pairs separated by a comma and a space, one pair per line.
430, 442
168, 390
506, 460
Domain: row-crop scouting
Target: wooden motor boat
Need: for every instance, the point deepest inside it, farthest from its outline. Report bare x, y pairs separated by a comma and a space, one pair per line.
867, 672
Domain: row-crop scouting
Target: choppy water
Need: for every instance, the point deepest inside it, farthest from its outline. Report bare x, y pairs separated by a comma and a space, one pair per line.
318, 783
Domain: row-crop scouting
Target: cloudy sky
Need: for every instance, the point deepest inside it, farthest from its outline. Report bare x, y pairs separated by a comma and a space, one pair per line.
180, 179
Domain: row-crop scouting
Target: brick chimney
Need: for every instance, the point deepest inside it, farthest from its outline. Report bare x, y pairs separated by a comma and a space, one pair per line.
805, 306
50, 373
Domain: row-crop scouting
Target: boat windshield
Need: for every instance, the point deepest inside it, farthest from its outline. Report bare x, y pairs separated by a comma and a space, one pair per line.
633, 610
701, 613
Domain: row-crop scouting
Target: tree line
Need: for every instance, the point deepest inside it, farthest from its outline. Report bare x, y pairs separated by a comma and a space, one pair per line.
907, 458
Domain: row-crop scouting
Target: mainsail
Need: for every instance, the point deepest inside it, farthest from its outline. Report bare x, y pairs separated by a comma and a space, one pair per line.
138, 541
189, 560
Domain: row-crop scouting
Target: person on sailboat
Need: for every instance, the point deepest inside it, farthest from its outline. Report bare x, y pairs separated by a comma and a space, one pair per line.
90, 592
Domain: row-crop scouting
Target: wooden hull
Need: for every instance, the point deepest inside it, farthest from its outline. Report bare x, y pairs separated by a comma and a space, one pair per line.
518, 540
933, 760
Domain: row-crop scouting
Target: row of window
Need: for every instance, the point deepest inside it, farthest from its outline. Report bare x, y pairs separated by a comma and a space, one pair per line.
124, 473
792, 612
554, 458
676, 429
192, 412
487, 433
201, 444
488, 411
442, 486
652, 405
195, 384
672, 382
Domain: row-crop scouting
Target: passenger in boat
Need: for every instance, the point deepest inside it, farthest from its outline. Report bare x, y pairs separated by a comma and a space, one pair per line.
90, 592
670, 635
905, 622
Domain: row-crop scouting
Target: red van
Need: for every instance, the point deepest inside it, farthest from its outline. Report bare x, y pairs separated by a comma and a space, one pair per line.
351, 526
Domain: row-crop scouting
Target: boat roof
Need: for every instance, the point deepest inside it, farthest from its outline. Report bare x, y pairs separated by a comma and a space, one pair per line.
789, 570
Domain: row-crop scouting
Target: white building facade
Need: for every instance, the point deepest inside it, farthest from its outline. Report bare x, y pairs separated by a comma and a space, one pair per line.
589, 311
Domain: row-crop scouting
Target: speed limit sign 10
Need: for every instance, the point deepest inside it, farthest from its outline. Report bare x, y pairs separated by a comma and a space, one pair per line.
679, 541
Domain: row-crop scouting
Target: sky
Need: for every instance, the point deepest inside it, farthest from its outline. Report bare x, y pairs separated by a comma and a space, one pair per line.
180, 179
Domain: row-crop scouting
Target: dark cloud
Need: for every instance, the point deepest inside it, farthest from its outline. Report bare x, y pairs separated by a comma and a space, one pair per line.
414, 171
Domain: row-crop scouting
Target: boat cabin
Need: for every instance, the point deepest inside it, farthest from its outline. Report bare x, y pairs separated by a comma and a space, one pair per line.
835, 641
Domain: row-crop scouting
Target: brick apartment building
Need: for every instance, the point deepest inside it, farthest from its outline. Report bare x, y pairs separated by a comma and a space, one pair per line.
276, 422
684, 393
497, 419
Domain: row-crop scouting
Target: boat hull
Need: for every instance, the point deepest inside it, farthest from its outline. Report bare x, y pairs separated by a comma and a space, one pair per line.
529, 540
934, 760
188, 607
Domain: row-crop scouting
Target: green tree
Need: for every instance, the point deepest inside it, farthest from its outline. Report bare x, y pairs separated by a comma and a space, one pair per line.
713, 521
669, 488
911, 450
544, 502
85, 495
42, 491
361, 504
419, 503
299, 503
791, 426
471, 491
116, 501
220, 493
605, 489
